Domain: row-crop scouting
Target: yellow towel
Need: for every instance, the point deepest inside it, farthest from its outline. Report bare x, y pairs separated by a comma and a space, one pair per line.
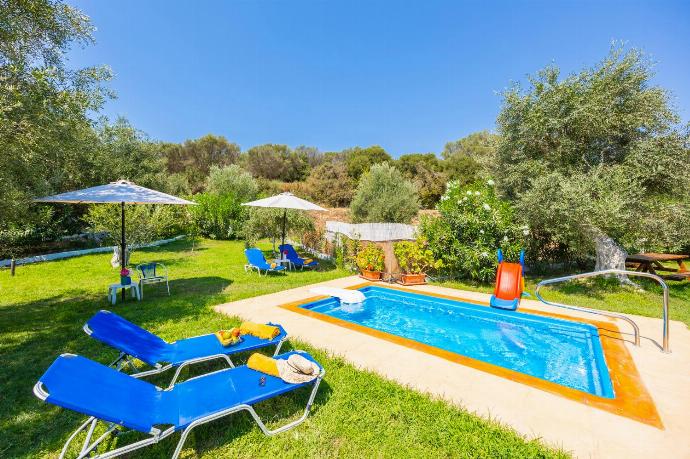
307, 261
228, 337
264, 364
273, 265
259, 330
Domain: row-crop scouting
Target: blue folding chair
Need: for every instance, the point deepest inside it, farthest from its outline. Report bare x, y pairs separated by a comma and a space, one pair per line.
121, 401
294, 257
135, 342
256, 260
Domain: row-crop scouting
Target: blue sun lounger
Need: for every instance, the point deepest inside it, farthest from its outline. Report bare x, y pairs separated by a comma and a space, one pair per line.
124, 402
135, 342
294, 257
256, 260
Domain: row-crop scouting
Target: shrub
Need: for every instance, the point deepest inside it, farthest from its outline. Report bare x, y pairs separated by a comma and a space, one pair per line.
268, 187
300, 189
330, 184
473, 224
383, 195
370, 258
277, 162
360, 160
470, 158
415, 257
344, 251
314, 240
194, 158
426, 172
232, 180
218, 216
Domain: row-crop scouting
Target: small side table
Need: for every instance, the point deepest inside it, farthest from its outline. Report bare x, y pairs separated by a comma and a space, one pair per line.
112, 291
284, 262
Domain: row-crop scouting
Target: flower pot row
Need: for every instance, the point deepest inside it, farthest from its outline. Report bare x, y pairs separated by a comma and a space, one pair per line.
405, 279
414, 259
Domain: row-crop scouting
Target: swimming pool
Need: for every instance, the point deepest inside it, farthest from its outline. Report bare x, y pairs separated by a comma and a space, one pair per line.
560, 351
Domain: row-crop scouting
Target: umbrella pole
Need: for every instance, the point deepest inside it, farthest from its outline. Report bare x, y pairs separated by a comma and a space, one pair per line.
284, 221
123, 246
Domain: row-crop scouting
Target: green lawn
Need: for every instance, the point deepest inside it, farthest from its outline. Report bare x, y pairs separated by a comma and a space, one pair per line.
356, 414
607, 294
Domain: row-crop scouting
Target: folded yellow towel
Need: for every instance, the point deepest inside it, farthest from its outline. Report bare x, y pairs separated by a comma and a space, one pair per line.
228, 337
307, 261
259, 330
264, 364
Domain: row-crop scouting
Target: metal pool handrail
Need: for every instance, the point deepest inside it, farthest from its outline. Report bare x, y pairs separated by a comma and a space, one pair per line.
665, 347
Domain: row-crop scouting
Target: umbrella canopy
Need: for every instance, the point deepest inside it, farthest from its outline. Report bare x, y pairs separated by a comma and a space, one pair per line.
122, 192
285, 201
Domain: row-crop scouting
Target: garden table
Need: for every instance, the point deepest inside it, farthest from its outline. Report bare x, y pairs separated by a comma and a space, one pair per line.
650, 262
284, 262
112, 291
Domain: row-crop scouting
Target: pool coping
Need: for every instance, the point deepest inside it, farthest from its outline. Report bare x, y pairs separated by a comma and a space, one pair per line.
632, 398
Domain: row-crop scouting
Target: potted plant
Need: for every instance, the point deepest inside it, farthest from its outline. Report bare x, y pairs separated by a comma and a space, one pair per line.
415, 260
124, 277
370, 262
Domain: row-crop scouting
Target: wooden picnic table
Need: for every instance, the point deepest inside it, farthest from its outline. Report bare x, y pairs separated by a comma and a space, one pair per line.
650, 262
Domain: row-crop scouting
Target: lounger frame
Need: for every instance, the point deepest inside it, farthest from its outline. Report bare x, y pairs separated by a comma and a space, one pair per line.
123, 360
88, 446
249, 268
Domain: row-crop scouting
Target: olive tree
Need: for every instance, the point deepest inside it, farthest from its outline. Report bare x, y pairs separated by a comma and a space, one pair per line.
594, 160
384, 196
232, 180
46, 135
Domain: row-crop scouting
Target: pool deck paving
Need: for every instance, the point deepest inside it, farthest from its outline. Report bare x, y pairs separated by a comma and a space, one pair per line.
576, 427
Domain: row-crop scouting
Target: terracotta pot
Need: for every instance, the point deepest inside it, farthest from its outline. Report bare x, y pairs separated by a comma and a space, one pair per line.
371, 275
413, 279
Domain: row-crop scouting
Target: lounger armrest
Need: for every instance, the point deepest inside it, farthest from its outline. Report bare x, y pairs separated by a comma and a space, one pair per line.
199, 360
40, 392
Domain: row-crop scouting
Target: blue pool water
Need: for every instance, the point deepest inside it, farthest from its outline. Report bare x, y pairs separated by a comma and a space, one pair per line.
561, 351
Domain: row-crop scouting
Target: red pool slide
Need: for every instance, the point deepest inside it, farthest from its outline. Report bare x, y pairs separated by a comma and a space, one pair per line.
509, 284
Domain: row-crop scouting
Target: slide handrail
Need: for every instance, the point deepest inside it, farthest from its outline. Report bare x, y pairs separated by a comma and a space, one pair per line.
665, 345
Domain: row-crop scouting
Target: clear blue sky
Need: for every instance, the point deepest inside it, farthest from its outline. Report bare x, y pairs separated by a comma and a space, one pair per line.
409, 76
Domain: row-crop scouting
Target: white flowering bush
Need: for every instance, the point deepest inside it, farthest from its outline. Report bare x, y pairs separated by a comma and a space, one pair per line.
474, 223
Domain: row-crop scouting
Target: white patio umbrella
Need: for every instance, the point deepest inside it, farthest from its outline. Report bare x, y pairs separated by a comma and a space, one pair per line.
285, 201
122, 192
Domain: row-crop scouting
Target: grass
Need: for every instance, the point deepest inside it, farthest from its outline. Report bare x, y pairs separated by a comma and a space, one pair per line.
356, 413
607, 294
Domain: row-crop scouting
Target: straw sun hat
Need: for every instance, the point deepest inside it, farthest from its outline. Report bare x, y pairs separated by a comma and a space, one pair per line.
297, 369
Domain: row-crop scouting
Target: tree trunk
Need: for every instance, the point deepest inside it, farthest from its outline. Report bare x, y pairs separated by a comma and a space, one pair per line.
610, 255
